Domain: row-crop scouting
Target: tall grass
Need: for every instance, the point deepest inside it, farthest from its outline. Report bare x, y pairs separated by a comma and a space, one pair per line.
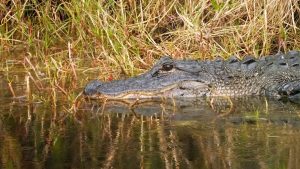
60, 39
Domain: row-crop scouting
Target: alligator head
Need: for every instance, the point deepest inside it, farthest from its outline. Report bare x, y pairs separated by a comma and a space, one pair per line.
168, 78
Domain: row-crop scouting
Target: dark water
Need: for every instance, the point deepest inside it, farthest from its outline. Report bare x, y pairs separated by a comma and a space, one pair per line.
204, 133
218, 133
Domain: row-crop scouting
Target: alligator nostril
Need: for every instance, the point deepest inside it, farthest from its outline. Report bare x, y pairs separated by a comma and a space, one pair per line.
283, 64
91, 87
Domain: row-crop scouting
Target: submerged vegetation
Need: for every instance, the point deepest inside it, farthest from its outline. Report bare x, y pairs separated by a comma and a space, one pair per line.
60, 45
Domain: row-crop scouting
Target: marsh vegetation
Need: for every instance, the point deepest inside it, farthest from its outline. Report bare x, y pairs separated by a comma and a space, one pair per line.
62, 44
50, 49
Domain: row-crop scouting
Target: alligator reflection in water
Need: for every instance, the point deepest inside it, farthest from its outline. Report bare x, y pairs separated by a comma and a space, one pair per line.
246, 133
237, 110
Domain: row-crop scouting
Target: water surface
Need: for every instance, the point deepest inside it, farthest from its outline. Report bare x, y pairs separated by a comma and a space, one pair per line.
188, 133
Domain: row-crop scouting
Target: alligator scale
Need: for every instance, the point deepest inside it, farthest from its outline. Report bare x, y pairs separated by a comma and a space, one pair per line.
275, 76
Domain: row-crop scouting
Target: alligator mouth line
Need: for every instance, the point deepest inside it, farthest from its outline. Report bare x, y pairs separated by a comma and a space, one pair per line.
136, 95
187, 88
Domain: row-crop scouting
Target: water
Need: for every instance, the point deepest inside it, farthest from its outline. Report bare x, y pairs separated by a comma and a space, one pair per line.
197, 133
154, 136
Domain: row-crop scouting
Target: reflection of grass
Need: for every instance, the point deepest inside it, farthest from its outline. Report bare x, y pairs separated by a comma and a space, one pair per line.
111, 140
61, 43
254, 117
257, 114
10, 153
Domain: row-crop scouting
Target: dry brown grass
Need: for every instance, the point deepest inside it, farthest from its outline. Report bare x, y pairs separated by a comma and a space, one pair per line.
126, 36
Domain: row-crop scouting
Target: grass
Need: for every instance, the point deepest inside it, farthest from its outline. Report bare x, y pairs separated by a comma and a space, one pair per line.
63, 44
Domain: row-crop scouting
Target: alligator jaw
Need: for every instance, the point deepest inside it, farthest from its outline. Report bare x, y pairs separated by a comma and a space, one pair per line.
187, 88
168, 78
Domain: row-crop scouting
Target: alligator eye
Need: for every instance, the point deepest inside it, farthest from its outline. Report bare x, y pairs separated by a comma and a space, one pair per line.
167, 67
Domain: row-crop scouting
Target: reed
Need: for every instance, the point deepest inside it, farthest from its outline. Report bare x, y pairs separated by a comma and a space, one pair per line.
65, 43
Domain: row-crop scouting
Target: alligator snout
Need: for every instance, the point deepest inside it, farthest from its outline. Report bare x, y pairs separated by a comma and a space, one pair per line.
91, 87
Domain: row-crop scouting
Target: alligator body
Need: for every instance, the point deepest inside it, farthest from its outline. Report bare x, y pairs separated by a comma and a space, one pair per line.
275, 76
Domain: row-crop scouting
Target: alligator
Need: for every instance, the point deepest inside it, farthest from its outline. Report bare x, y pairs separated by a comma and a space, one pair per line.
275, 76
